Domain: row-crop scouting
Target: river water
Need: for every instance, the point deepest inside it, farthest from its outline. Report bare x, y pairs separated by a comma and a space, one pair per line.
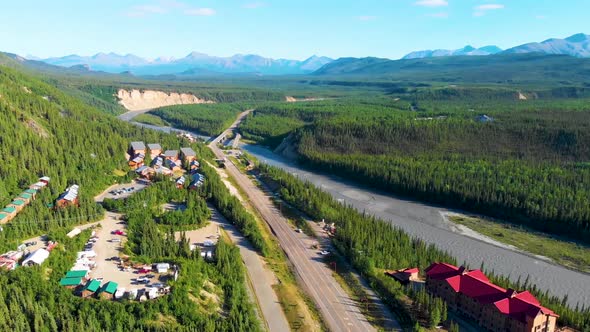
427, 222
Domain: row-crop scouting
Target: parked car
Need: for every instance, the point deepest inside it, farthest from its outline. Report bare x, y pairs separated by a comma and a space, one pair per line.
324, 252
115, 240
144, 271
143, 279
118, 232
298, 230
150, 275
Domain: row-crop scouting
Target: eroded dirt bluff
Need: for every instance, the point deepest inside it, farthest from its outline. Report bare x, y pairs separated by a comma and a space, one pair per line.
136, 100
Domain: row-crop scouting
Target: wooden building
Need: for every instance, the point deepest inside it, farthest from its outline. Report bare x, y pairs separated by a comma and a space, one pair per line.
188, 155
155, 150
68, 197
136, 148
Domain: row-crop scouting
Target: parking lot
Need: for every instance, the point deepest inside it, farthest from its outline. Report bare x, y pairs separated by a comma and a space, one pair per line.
108, 248
121, 190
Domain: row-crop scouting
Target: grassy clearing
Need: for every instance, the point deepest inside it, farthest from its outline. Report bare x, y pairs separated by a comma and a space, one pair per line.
561, 251
151, 120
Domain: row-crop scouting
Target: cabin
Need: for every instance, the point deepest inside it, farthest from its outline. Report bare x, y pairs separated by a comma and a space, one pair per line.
194, 165
4, 218
18, 204
26, 197
173, 165
90, 288
188, 155
404, 276
145, 172
136, 148
31, 192
180, 182
7, 263
197, 181
170, 155
108, 290
10, 211
136, 161
37, 257
155, 150
157, 162
45, 180
68, 197
70, 283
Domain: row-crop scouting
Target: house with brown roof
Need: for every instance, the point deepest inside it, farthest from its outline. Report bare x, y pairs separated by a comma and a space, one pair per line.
404, 276
471, 294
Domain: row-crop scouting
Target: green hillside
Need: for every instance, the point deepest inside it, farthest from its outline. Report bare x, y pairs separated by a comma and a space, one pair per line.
531, 69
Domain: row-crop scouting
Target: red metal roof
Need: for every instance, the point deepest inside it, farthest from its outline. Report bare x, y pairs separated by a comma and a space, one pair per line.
476, 285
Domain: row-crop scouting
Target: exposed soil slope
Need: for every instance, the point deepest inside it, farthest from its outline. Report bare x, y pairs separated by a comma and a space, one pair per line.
136, 100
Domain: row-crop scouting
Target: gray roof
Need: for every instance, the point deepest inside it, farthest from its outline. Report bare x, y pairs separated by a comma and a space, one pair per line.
154, 146
171, 153
188, 152
137, 146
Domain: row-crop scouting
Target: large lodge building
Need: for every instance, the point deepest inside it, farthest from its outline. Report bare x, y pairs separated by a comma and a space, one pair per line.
471, 294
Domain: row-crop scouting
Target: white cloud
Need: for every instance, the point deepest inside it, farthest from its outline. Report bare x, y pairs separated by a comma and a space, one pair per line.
367, 18
143, 10
254, 5
439, 15
481, 10
431, 3
200, 12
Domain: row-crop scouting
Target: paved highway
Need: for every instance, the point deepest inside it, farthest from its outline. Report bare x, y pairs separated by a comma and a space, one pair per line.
338, 310
426, 222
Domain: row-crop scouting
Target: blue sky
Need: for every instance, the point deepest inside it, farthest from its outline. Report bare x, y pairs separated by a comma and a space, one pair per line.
280, 29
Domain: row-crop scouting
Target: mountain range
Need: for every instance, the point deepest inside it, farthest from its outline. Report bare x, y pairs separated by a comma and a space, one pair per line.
577, 45
193, 64
467, 50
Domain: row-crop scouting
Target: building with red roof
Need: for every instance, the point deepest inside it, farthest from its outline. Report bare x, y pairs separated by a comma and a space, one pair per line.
470, 293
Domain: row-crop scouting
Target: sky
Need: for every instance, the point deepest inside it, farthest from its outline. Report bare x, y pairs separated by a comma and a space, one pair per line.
280, 29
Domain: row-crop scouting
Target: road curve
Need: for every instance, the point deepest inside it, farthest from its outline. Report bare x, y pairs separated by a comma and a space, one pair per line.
338, 310
426, 222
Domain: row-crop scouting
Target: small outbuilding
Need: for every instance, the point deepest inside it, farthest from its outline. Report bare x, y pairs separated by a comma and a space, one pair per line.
70, 282
404, 276
108, 290
90, 288
77, 274
162, 267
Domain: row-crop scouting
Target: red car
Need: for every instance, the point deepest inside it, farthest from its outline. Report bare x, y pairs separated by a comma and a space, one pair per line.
143, 271
118, 232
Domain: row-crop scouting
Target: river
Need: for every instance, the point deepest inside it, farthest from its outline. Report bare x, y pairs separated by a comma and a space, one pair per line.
427, 222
